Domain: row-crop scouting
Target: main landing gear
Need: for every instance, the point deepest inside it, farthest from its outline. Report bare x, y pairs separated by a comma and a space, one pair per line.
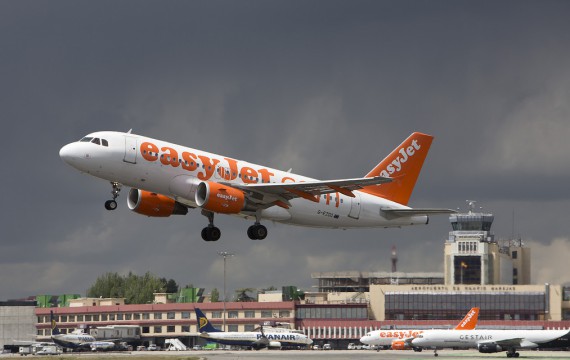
512, 353
112, 204
257, 231
210, 232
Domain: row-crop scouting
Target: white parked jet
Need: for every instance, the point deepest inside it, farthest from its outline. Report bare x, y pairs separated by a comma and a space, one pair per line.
167, 179
77, 339
255, 340
401, 339
492, 341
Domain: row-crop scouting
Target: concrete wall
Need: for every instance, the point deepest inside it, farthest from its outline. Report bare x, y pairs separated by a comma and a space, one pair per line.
17, 323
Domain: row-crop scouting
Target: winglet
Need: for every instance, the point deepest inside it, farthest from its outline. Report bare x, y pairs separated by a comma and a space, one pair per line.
54, 329
203, 323
469, 322
403, 165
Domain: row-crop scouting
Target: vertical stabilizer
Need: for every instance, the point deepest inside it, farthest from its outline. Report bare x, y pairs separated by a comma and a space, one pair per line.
403, 165
469, 322
54, 329
203, 323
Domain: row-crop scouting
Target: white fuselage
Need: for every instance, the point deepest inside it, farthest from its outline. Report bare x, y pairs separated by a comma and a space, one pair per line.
474, 338
73, 340
387, 337
249, 338
175, 171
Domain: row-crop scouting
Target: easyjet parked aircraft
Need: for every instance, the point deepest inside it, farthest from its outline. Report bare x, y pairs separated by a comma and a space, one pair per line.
401, 339
492, 341
167, 179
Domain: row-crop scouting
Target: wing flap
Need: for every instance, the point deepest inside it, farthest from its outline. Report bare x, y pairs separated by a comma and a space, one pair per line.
268, 193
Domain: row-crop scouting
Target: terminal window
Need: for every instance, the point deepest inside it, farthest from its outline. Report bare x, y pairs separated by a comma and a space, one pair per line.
467, 269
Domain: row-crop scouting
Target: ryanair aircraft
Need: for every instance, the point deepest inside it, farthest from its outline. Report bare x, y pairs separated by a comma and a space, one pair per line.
255, 339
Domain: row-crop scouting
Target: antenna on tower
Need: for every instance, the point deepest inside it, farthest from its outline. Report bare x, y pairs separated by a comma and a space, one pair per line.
394, 259
471, 204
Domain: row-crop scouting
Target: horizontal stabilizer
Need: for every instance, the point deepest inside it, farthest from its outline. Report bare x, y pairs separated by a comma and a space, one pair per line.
396, 213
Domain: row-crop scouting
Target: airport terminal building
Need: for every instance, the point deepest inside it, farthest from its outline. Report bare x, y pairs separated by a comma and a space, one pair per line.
478, 271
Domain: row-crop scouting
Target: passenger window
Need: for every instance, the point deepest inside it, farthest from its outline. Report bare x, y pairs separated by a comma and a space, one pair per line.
104, 142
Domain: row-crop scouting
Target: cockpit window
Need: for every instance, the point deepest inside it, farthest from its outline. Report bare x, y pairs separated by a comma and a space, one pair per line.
96, 141
86, 139
104, 142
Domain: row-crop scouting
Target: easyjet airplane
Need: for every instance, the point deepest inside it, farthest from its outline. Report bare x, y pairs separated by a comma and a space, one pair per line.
167, 179
401, 339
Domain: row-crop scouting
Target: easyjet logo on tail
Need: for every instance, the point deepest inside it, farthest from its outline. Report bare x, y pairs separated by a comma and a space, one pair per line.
396, 164
404, 165
469, 322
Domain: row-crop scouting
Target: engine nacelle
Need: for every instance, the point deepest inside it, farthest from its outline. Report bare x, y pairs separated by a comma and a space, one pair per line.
399, 345
153, 204
275, 344
219, 198
489, 348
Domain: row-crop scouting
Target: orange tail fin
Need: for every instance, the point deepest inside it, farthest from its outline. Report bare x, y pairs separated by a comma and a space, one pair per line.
403, 165
469, 322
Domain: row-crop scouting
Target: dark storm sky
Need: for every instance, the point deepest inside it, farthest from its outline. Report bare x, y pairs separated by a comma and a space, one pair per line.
327, 88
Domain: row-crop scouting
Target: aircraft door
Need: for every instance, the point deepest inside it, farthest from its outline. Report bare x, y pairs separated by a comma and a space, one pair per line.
130, 149
354, 206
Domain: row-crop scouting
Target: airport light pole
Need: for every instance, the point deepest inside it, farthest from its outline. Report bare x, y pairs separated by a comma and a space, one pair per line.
225, 255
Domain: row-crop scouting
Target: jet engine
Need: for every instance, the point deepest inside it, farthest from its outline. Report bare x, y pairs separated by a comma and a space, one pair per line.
399, 345
153, 204
489, 348
275, 344
220, 198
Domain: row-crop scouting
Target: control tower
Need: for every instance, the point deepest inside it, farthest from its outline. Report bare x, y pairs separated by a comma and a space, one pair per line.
473, 257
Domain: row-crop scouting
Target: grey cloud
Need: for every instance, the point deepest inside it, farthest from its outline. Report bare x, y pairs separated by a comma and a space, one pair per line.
325, 87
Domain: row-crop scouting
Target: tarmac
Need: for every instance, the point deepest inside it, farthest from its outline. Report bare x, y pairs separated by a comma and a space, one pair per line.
307, 354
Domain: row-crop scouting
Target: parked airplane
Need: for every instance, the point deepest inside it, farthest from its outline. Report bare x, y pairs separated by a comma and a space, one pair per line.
401, 339
255, 339
167, 179
77, 339
492, 341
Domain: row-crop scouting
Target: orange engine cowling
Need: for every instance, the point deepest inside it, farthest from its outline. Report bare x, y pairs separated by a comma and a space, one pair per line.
219, 198
153, 204
399, 345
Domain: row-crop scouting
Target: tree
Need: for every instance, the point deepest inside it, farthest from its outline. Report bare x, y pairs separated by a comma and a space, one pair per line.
215, 295
134, 288
243, 296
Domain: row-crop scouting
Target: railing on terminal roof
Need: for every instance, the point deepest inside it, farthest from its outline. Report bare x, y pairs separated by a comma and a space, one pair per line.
335, 302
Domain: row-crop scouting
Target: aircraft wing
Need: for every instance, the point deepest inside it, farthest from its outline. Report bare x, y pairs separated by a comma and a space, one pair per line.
269, 193
513, 342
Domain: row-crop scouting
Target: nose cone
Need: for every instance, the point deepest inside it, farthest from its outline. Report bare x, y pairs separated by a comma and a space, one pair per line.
66, 153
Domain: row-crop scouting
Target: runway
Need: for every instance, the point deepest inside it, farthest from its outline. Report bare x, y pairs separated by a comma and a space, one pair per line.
308, 354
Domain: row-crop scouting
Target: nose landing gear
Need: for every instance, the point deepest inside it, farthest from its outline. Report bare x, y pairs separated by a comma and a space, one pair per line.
112, 204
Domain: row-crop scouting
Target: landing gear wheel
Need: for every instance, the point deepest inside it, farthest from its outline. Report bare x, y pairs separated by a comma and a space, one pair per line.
110, 204
214, 233
211, 233
257, 232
